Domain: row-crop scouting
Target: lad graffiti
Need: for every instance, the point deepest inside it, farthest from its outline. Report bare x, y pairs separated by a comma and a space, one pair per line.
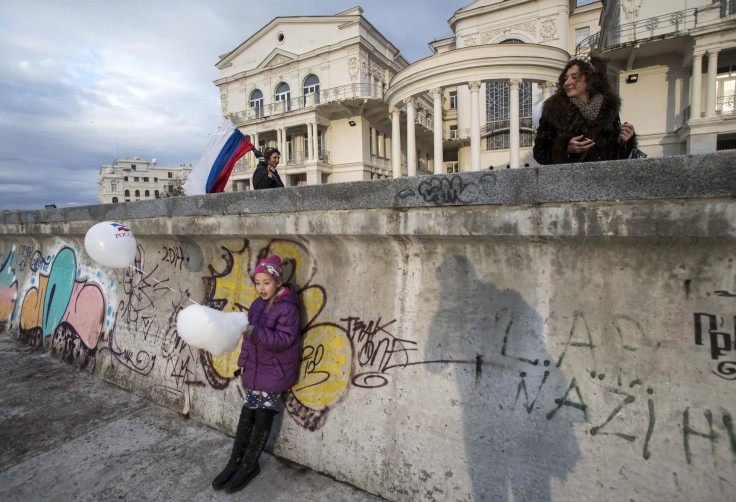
720, 341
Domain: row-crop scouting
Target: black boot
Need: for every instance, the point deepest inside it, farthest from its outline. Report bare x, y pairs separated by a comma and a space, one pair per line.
242, 436
249, 467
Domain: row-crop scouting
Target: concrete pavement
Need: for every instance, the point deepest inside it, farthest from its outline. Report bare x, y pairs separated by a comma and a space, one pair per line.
68, 435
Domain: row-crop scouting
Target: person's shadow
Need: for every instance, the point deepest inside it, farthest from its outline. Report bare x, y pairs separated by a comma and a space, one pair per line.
518, 429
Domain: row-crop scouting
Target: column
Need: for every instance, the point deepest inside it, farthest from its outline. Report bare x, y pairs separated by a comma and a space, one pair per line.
514, 84
474, 125
696, 78
310, 150
253, 159
372, 84
373, 149
710, 91
315, 141
437, 95
411, 143
396, 141
547, 89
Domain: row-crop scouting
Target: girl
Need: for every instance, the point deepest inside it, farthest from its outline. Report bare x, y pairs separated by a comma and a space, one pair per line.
268, 365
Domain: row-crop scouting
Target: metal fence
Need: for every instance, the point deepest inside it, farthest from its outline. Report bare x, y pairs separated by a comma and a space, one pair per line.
666, 24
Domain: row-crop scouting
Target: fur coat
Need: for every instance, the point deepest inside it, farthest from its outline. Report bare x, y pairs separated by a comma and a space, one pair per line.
561, 121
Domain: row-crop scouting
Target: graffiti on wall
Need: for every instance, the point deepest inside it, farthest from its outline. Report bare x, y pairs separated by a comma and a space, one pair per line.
719, 336
8, 287
326, 353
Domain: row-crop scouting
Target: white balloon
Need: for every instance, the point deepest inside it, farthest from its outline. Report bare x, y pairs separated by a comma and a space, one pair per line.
537, 113
209, 329
110, 244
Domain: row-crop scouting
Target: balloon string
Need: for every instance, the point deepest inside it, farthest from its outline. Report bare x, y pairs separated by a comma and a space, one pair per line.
149, 276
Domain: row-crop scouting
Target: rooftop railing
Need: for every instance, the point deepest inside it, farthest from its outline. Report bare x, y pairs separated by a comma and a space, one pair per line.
659, 26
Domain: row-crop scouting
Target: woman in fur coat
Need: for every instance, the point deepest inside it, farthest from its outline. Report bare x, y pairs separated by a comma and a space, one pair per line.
580, 122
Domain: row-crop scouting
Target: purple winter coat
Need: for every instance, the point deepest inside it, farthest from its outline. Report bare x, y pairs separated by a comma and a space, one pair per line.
271, 357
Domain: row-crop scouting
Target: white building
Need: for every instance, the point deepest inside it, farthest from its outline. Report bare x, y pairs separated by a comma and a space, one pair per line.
137, 179
342, 104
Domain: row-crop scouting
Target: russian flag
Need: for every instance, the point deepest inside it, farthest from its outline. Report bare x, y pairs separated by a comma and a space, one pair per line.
211, 173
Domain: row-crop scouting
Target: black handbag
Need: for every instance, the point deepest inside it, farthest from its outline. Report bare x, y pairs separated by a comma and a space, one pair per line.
635, 153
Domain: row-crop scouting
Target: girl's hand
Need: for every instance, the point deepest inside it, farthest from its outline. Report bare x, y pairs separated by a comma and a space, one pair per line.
248, 331
627, 131
579, 144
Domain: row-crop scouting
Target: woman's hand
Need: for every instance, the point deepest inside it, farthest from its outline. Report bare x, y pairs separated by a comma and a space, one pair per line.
248, 331
627, 131
580, 144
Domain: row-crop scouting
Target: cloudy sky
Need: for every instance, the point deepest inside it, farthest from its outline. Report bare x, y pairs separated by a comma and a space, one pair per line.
83, 82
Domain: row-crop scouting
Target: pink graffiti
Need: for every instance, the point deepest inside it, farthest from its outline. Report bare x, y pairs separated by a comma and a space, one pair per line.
86, 312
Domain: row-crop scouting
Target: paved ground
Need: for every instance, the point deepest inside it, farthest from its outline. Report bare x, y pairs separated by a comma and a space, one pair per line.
67, 435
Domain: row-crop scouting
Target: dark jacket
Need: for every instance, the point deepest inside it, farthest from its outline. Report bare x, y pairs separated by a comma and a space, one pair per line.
561, 121
261, 179
271, 356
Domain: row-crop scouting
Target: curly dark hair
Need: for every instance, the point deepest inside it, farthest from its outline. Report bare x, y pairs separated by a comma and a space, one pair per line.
595, 71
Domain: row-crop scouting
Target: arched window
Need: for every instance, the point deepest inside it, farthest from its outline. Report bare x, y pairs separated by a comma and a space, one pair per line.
498, 101
114, 200
311, 85
513, 41
283, 93
148, 193
137, 193
256, 101
155, 194
127, 193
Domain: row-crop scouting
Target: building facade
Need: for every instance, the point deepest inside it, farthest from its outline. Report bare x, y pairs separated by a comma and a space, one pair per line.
345, 105
126, 180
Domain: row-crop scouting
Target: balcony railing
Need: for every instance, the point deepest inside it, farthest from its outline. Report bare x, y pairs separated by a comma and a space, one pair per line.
666, 24
726, 106
335, 94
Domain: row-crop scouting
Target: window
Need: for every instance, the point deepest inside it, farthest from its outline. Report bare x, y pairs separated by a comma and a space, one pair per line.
283, 93
581, 34
155, 194
136, 178
132, 166
311, 85
148, 194
125, 178
453, 132
726, 89
155, 180
318, 153
171, 175
114, 200
453, 100
137, 193
145, 179
256, 101
497, 115
127, 193
113, 187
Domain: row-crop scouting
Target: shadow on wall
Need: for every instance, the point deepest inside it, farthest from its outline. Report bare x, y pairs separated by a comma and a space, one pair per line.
513, 444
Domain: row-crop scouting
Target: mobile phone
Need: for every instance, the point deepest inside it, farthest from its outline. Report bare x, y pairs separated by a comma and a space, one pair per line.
237, 372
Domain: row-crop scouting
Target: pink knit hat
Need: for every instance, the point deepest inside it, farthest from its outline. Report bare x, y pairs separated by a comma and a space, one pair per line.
271, 266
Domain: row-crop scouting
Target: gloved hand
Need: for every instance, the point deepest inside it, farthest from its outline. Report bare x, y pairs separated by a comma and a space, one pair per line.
257, 153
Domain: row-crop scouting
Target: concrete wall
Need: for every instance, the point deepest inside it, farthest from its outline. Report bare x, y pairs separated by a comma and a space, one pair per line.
563, 333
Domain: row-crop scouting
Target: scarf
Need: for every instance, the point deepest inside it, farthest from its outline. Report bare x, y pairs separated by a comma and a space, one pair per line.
590, 109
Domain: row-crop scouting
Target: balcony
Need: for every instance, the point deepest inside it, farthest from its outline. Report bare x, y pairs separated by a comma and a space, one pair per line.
309, 101
664, 26
726, 107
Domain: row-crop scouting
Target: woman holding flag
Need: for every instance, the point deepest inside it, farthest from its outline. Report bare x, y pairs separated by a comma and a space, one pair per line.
266, 175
